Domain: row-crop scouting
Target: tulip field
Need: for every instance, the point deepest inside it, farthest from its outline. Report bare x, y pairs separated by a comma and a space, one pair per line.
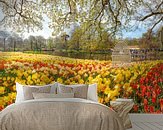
142, 81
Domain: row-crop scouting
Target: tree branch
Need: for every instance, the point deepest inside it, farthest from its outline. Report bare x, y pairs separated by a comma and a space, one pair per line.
110, 9
161, 19
159, 5
99, 13
1, 21
69, 3
1, 1
151, 14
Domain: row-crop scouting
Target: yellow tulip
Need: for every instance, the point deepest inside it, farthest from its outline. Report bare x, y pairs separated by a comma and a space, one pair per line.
81, 81
126, 86
8, 78
107, 90
108, 82
29, 78
1, 101
12, 79
35, 76
5, 84
59, 80
4, 78
107, 99
90, 78
2, 90
129, 89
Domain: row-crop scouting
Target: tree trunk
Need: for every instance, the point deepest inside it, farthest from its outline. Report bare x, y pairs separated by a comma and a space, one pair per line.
161, 38
31, 46
36, 45
4, 46
14, 45
78, 45
66, 44
40, 47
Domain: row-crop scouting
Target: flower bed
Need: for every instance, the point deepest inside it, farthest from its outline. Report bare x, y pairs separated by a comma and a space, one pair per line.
148, 91
37, 69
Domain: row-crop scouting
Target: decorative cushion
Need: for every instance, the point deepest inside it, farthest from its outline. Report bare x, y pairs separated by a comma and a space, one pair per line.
49, 95
22, 91
80, 90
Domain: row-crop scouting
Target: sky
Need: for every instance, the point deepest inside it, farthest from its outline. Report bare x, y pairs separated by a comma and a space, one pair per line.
134, 34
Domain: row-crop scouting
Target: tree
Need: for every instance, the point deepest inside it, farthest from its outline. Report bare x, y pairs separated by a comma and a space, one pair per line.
4, 35
160, 37
1, 44
149, 40
11, 42
93, 39
26, 44
32, 41
74, 42
104, 41
18, 43
36, 42
17, 40
50, 43
114, 15
21, 14
133, 41
65, 39
40, 42
58, 42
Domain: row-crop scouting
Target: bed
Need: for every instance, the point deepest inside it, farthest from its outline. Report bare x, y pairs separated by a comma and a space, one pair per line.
59, 114
64, 113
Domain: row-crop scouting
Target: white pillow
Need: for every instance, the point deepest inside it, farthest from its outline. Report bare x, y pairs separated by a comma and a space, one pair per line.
20, 93
92, 91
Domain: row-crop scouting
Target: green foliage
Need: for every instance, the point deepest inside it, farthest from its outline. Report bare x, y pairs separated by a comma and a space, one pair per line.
90, 39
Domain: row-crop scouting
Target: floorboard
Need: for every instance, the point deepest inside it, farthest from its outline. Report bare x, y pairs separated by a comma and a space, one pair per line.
146, 121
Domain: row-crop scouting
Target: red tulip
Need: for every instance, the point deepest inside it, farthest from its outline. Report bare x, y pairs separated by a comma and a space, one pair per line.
158, 91
134, 86
149, 88
135, 107
151, 108
161, 105
142, 80
143, 90
145, 102
158, 111
153, 100
154, 94
146, 108
148, 94
146, 80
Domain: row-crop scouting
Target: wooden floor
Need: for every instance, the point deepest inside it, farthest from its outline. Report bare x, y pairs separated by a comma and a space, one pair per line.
146, 121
